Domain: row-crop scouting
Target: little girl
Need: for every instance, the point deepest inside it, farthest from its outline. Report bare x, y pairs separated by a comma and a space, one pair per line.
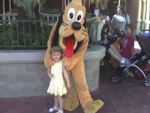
128, 42
57, 84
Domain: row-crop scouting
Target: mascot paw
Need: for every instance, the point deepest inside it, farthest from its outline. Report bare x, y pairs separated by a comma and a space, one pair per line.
70, 104
94, 106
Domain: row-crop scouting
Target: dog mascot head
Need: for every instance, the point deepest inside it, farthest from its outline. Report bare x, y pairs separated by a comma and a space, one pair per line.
71, 29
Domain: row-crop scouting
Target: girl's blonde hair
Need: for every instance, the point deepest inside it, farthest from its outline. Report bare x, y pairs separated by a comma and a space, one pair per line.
56, 49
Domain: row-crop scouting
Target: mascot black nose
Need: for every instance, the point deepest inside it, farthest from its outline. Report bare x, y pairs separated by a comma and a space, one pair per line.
76, 25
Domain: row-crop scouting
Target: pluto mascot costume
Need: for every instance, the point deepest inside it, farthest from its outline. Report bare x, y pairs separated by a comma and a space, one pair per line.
70, 34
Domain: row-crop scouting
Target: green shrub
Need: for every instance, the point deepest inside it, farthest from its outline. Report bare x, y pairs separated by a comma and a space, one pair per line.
12, 36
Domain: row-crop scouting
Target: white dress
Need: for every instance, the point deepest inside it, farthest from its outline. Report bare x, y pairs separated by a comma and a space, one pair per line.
57, 84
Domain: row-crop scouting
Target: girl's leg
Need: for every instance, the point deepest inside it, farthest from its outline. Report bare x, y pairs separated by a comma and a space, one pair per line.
60, 101
123, 61
114, 55
115, 51
56, 101
55, 108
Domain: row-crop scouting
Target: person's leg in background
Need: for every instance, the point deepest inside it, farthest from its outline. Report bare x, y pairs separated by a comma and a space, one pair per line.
116, 55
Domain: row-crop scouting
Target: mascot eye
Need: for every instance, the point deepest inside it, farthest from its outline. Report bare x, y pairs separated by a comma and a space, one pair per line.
79, 16
71, 13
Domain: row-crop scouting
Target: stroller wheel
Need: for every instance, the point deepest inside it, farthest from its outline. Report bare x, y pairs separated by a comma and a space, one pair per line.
114, 65
116, 79
147, 82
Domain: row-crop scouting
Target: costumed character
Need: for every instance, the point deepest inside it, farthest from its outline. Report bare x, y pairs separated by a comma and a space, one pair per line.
70, 33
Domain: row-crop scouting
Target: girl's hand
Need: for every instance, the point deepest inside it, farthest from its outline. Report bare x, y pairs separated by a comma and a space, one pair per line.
68, 85
49, 72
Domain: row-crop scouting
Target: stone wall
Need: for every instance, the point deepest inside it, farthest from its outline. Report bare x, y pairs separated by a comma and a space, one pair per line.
23, 79
22, 73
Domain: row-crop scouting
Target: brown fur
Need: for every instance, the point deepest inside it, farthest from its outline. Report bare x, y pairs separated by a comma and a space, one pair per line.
74, 64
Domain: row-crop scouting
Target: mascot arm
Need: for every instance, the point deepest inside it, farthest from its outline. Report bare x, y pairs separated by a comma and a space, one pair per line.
48, 61
69, 63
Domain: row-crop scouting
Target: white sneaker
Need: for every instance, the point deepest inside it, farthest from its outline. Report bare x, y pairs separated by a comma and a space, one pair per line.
60, 111
128, 62
125, 62
54, 109
122, 63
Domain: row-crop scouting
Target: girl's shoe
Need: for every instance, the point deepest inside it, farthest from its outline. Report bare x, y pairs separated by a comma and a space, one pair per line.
125, 62
60, 111
54, 109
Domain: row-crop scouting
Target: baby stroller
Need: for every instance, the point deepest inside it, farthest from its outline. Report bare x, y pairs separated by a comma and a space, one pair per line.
141, 62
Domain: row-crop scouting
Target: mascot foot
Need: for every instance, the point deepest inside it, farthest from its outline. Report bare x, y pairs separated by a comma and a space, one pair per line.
94, 106
70, 104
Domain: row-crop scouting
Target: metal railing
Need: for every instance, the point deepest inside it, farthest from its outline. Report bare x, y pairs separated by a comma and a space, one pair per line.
25, 34
8, 17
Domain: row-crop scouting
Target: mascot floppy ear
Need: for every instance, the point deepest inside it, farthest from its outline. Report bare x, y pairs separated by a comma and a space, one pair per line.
56, 34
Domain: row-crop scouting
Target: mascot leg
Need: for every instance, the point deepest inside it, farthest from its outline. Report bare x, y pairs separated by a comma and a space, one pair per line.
84, 96
71, 101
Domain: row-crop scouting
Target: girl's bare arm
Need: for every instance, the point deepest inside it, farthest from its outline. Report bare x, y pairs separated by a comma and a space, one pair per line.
66, 76
49, 72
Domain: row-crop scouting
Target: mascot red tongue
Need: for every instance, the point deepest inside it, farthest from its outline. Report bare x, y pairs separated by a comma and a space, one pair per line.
69, 47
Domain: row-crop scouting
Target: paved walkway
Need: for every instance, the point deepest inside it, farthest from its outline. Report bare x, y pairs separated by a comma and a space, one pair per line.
129, 96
